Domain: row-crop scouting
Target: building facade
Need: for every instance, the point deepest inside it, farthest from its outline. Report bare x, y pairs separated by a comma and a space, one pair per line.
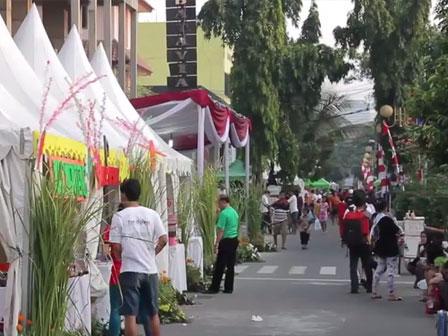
214, 60
112, 22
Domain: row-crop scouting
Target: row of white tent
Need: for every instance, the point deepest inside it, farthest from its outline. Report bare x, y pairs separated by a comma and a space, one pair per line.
29, 62
28, 66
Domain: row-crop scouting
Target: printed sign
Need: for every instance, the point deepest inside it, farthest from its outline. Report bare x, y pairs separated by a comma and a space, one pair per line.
181, 29
70, 176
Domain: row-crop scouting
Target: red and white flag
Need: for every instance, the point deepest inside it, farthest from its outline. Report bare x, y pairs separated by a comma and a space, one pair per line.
382, 174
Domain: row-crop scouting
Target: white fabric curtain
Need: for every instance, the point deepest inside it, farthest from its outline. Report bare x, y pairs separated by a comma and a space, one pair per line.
236, 142
15, 149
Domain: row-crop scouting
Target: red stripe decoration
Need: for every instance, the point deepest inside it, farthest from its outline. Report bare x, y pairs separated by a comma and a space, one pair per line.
393, 150
382, 171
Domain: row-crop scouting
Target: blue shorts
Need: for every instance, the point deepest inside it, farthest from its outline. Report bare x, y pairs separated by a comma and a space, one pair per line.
140, 294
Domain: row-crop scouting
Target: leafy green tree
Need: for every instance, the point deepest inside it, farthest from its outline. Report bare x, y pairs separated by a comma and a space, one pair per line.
257, 32
391, 33
311, 26
429, 99
304, 67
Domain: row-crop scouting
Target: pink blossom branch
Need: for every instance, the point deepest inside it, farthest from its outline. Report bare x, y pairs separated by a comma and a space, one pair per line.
65, 103
45, 95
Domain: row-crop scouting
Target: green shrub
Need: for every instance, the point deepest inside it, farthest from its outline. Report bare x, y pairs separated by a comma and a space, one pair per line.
429, 200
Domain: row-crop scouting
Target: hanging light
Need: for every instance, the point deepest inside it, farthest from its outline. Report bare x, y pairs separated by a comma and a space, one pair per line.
386, 111
171, 142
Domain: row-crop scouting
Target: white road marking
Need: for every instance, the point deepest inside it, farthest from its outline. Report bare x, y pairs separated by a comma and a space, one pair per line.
267, 269
298, 270
328, 270
318, 280
240, 268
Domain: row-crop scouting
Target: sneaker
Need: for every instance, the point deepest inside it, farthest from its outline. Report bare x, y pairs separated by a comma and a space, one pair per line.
209, 291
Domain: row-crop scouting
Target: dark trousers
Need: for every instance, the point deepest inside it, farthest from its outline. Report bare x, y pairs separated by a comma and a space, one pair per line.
225, 260
304, 237
360, 252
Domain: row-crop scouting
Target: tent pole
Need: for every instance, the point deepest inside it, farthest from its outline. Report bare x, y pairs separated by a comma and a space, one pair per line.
201, 139
247, 165
226, 166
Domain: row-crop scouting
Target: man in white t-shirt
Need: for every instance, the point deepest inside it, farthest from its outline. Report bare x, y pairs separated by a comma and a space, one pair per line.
293, 210
265, 211
138, 235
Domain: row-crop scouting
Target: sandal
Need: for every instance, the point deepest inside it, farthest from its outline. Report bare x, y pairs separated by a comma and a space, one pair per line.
395, 298
376, 297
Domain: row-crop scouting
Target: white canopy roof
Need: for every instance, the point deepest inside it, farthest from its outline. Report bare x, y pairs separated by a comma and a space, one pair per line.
21, 91
36, 47
75, 62
102, 69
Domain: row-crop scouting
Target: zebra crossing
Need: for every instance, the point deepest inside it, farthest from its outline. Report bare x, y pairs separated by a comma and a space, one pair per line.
291, 270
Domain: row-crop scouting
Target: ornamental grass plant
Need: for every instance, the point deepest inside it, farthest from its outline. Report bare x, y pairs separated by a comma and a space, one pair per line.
254, 215
58, 221
205, 198
185, 220
141, 171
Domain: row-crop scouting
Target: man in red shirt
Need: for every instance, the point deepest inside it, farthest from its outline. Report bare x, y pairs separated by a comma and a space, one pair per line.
355, 232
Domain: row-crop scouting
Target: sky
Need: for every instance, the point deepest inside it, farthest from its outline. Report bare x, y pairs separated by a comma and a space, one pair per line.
332, 13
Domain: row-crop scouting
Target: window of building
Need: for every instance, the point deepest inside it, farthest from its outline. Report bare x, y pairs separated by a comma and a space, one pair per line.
85, 16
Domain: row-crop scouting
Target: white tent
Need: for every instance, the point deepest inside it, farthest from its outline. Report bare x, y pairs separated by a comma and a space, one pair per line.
19, 79
75, 62
16, 148
36, 47
101, 66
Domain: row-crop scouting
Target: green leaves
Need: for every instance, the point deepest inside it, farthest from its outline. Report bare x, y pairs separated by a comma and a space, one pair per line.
311, 26
57, 222
392, 33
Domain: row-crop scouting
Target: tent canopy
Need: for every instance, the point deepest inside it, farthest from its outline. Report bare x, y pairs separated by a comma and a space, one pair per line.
176, 116
101, 66
321, 184
236, 171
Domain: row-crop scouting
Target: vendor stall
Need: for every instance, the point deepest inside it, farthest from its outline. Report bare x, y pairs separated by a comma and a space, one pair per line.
192, 120
49, 95
15, 151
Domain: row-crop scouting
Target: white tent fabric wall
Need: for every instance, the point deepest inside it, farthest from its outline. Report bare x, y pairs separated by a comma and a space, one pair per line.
16, 148
19, 79
175, 162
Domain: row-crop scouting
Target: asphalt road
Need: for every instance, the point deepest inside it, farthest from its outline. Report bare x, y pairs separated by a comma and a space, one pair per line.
304, 293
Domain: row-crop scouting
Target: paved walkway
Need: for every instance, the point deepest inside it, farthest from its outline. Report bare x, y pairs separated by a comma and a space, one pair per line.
301, 293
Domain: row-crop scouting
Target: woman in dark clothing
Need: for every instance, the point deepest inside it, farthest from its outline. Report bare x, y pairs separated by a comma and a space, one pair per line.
386, 233
418, 265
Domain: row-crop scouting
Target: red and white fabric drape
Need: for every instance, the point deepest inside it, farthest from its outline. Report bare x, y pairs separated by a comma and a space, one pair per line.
369, 180
382, 175
395, 161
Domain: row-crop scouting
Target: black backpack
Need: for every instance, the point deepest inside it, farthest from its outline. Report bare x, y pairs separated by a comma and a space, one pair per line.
353, 236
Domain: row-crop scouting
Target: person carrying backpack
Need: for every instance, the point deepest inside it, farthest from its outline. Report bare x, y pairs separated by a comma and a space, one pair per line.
355, 234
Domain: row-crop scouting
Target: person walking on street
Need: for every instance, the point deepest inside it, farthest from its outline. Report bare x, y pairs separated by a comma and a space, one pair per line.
355, 234
280, 220
305, 224
138, 235
293, 211
334, 203
323, 214
225, 246
386, 235
265, 211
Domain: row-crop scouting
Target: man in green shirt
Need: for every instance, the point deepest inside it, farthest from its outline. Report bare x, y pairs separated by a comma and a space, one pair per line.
225, 246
